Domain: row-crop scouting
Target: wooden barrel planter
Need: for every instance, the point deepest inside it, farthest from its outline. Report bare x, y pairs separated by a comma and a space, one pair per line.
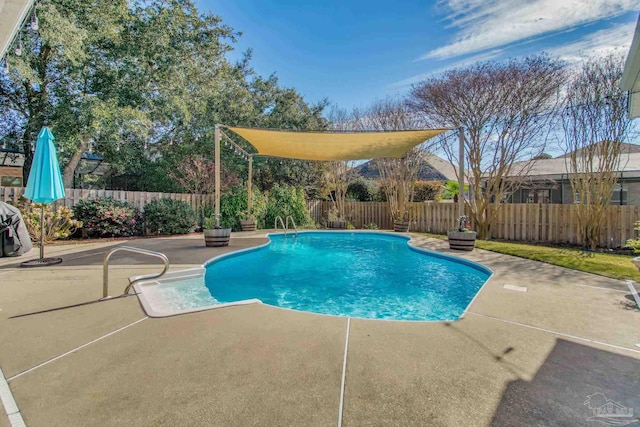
462, 240
248, 224
401, 226
338, 223
217, 237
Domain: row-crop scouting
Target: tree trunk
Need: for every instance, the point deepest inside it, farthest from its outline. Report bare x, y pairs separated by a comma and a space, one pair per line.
69, 170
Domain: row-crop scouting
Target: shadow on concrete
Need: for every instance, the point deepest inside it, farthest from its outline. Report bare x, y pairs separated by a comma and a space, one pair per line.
188, 250
576, 385
65, 307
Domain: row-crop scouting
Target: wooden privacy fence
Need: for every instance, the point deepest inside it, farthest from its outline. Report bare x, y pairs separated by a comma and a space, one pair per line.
544, 223
138, 199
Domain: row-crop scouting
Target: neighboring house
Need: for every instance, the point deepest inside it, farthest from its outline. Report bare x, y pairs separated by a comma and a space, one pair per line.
630, 80
11, 162
433, 168
547, 181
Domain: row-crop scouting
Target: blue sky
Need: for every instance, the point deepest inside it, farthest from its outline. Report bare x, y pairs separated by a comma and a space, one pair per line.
353, 52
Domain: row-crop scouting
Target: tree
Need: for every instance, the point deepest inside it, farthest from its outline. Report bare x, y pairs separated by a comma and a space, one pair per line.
196, 175
595, 124
398, 175
504, 112
141, 84
339, 173
284, 108
48, 82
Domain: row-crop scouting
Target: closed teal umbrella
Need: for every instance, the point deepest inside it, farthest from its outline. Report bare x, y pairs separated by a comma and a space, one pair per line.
44, 185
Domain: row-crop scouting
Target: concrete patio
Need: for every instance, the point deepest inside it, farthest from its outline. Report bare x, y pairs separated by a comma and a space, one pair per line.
515, 359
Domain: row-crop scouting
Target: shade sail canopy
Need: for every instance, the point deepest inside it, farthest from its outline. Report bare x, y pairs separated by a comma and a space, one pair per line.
45, 181
334, 145
12, 14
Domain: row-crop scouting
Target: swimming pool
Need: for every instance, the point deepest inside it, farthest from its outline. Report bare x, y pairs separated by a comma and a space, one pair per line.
356, 274
370, 275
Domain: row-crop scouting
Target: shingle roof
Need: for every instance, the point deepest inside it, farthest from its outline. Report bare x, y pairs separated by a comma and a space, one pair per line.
547, 168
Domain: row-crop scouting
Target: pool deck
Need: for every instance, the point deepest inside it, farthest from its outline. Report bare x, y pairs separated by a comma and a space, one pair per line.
515, 359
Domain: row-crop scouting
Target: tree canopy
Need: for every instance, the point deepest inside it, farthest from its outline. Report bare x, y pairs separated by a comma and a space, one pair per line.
141, 83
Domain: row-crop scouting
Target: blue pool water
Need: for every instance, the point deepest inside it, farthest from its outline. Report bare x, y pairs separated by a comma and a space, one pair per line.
364, 275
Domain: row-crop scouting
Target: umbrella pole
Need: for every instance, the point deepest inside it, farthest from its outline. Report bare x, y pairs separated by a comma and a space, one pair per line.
42, 232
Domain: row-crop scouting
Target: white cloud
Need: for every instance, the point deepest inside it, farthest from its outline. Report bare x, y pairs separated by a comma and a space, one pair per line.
486, 56
600, 43
487, 24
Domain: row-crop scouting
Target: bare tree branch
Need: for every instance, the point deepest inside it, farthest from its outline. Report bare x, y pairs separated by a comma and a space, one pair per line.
504, 110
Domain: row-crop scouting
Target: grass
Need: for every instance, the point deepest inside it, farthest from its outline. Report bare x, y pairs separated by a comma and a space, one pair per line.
608, 265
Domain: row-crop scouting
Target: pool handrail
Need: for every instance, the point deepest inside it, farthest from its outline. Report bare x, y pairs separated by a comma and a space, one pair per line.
295, 229
275, 225
105, 267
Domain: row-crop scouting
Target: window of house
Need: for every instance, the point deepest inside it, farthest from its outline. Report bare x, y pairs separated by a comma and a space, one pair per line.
619, 195
539, 196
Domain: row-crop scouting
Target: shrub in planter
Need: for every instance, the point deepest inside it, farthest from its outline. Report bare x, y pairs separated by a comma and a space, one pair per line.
233, 203
463, 238
108, 218
168, 216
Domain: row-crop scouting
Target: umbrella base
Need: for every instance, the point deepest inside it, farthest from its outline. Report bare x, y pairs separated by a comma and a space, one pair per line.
41, 262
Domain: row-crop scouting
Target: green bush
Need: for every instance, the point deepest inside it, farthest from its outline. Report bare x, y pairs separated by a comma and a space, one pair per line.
285, 200
634, 243
168, 216
108, 218
426, 190
233, 203
362, 189
58, 224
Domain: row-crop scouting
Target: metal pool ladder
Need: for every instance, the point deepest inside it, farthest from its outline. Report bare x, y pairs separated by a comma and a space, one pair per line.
132, 280
285, 224
293, 223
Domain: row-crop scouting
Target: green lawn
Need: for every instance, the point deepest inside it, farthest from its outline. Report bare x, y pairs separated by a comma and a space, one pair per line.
609, 265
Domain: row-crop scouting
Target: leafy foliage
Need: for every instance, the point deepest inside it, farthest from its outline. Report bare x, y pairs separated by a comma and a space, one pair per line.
140, 83
233, 207
426, 190
168, 216
196, 175
635, 243
363, 190
108, 218
59, 224
285, 200
210, 223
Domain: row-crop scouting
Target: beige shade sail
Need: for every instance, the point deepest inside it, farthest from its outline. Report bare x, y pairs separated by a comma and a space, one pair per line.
12, 14
334, 145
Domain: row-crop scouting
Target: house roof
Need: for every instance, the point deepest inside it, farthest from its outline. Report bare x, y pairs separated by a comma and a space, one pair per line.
556, 168
433, 168
625, 148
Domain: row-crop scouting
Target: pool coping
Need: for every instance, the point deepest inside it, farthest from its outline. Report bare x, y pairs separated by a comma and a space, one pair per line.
155, 305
